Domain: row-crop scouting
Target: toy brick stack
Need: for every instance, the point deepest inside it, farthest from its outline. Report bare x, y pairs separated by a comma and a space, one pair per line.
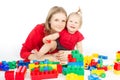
117, 63
75, 67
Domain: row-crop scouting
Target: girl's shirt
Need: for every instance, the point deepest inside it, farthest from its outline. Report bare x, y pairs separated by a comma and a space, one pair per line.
68, 40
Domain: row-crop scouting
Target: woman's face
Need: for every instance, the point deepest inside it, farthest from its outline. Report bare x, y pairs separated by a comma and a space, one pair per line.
58, 22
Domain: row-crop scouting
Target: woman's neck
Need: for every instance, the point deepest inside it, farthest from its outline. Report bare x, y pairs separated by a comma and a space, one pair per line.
52, 31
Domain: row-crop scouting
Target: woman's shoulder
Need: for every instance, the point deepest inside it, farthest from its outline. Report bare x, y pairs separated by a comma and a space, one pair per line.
39, 26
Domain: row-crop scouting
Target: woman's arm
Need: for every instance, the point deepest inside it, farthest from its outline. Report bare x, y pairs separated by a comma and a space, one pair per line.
34, 38
34, 56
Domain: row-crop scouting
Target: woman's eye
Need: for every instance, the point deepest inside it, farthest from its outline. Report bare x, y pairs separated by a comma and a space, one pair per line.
56, 19
63, 20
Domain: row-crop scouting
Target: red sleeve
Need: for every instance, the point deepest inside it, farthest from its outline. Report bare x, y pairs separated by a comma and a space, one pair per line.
81, 37
61, 33
34, 38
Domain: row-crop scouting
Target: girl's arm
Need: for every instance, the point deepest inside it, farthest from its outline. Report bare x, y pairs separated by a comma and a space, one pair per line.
53, 36
79, 46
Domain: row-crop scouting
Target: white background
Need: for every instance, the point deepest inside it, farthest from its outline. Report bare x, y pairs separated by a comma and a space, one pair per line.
101, 22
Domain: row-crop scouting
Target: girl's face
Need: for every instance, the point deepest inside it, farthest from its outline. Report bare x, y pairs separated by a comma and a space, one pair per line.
73, 23
58, 22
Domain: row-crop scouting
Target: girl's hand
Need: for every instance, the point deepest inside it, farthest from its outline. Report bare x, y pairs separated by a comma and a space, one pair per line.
47, 39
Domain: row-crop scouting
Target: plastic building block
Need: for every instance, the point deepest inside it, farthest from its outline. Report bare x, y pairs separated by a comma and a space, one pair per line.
116, 72
100, 73
95, 55
20, 73
35, 74
118, 56
93, 63
117, 66
75, 69
87, 61
102, 57
31, 66
80, 64
54, 66
76, 54
9, 75
103, 68
4, 66
23, 63
59, 68
93, 77
38, 75
73, 76
71, 59
12, 65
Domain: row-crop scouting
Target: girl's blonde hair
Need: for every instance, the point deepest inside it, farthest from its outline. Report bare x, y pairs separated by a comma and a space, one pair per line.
52, 11
79, 13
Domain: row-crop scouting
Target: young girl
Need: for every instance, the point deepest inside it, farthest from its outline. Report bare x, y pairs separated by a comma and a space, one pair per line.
68, 39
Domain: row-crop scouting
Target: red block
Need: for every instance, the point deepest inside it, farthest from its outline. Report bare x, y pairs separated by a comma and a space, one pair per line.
117, 66
59, 68
49, 74
37, 75
103, 68
9, 75
93, 63
71, 59
20, 73
118, 52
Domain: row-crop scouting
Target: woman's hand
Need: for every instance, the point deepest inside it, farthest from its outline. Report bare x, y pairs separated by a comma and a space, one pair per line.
62, 55
32, 57
35, 56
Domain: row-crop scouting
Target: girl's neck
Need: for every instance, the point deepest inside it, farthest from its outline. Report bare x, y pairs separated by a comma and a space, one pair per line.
71, 32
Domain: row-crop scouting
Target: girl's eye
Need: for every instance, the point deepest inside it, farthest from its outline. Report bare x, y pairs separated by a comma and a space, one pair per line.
76, 22
70, 21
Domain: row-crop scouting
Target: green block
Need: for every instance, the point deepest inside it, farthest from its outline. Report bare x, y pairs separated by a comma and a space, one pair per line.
41, 69
12, 65
50, 68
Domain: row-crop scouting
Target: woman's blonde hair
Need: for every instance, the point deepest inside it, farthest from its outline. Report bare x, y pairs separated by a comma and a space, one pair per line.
52, 11
79, 13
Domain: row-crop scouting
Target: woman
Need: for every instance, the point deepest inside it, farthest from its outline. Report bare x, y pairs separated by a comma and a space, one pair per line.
55, 22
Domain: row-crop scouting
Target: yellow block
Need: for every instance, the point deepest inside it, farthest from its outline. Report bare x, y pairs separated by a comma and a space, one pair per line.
31, 66
118, 55
95, 55
116, 72
54, 66
110, 67
73, 76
